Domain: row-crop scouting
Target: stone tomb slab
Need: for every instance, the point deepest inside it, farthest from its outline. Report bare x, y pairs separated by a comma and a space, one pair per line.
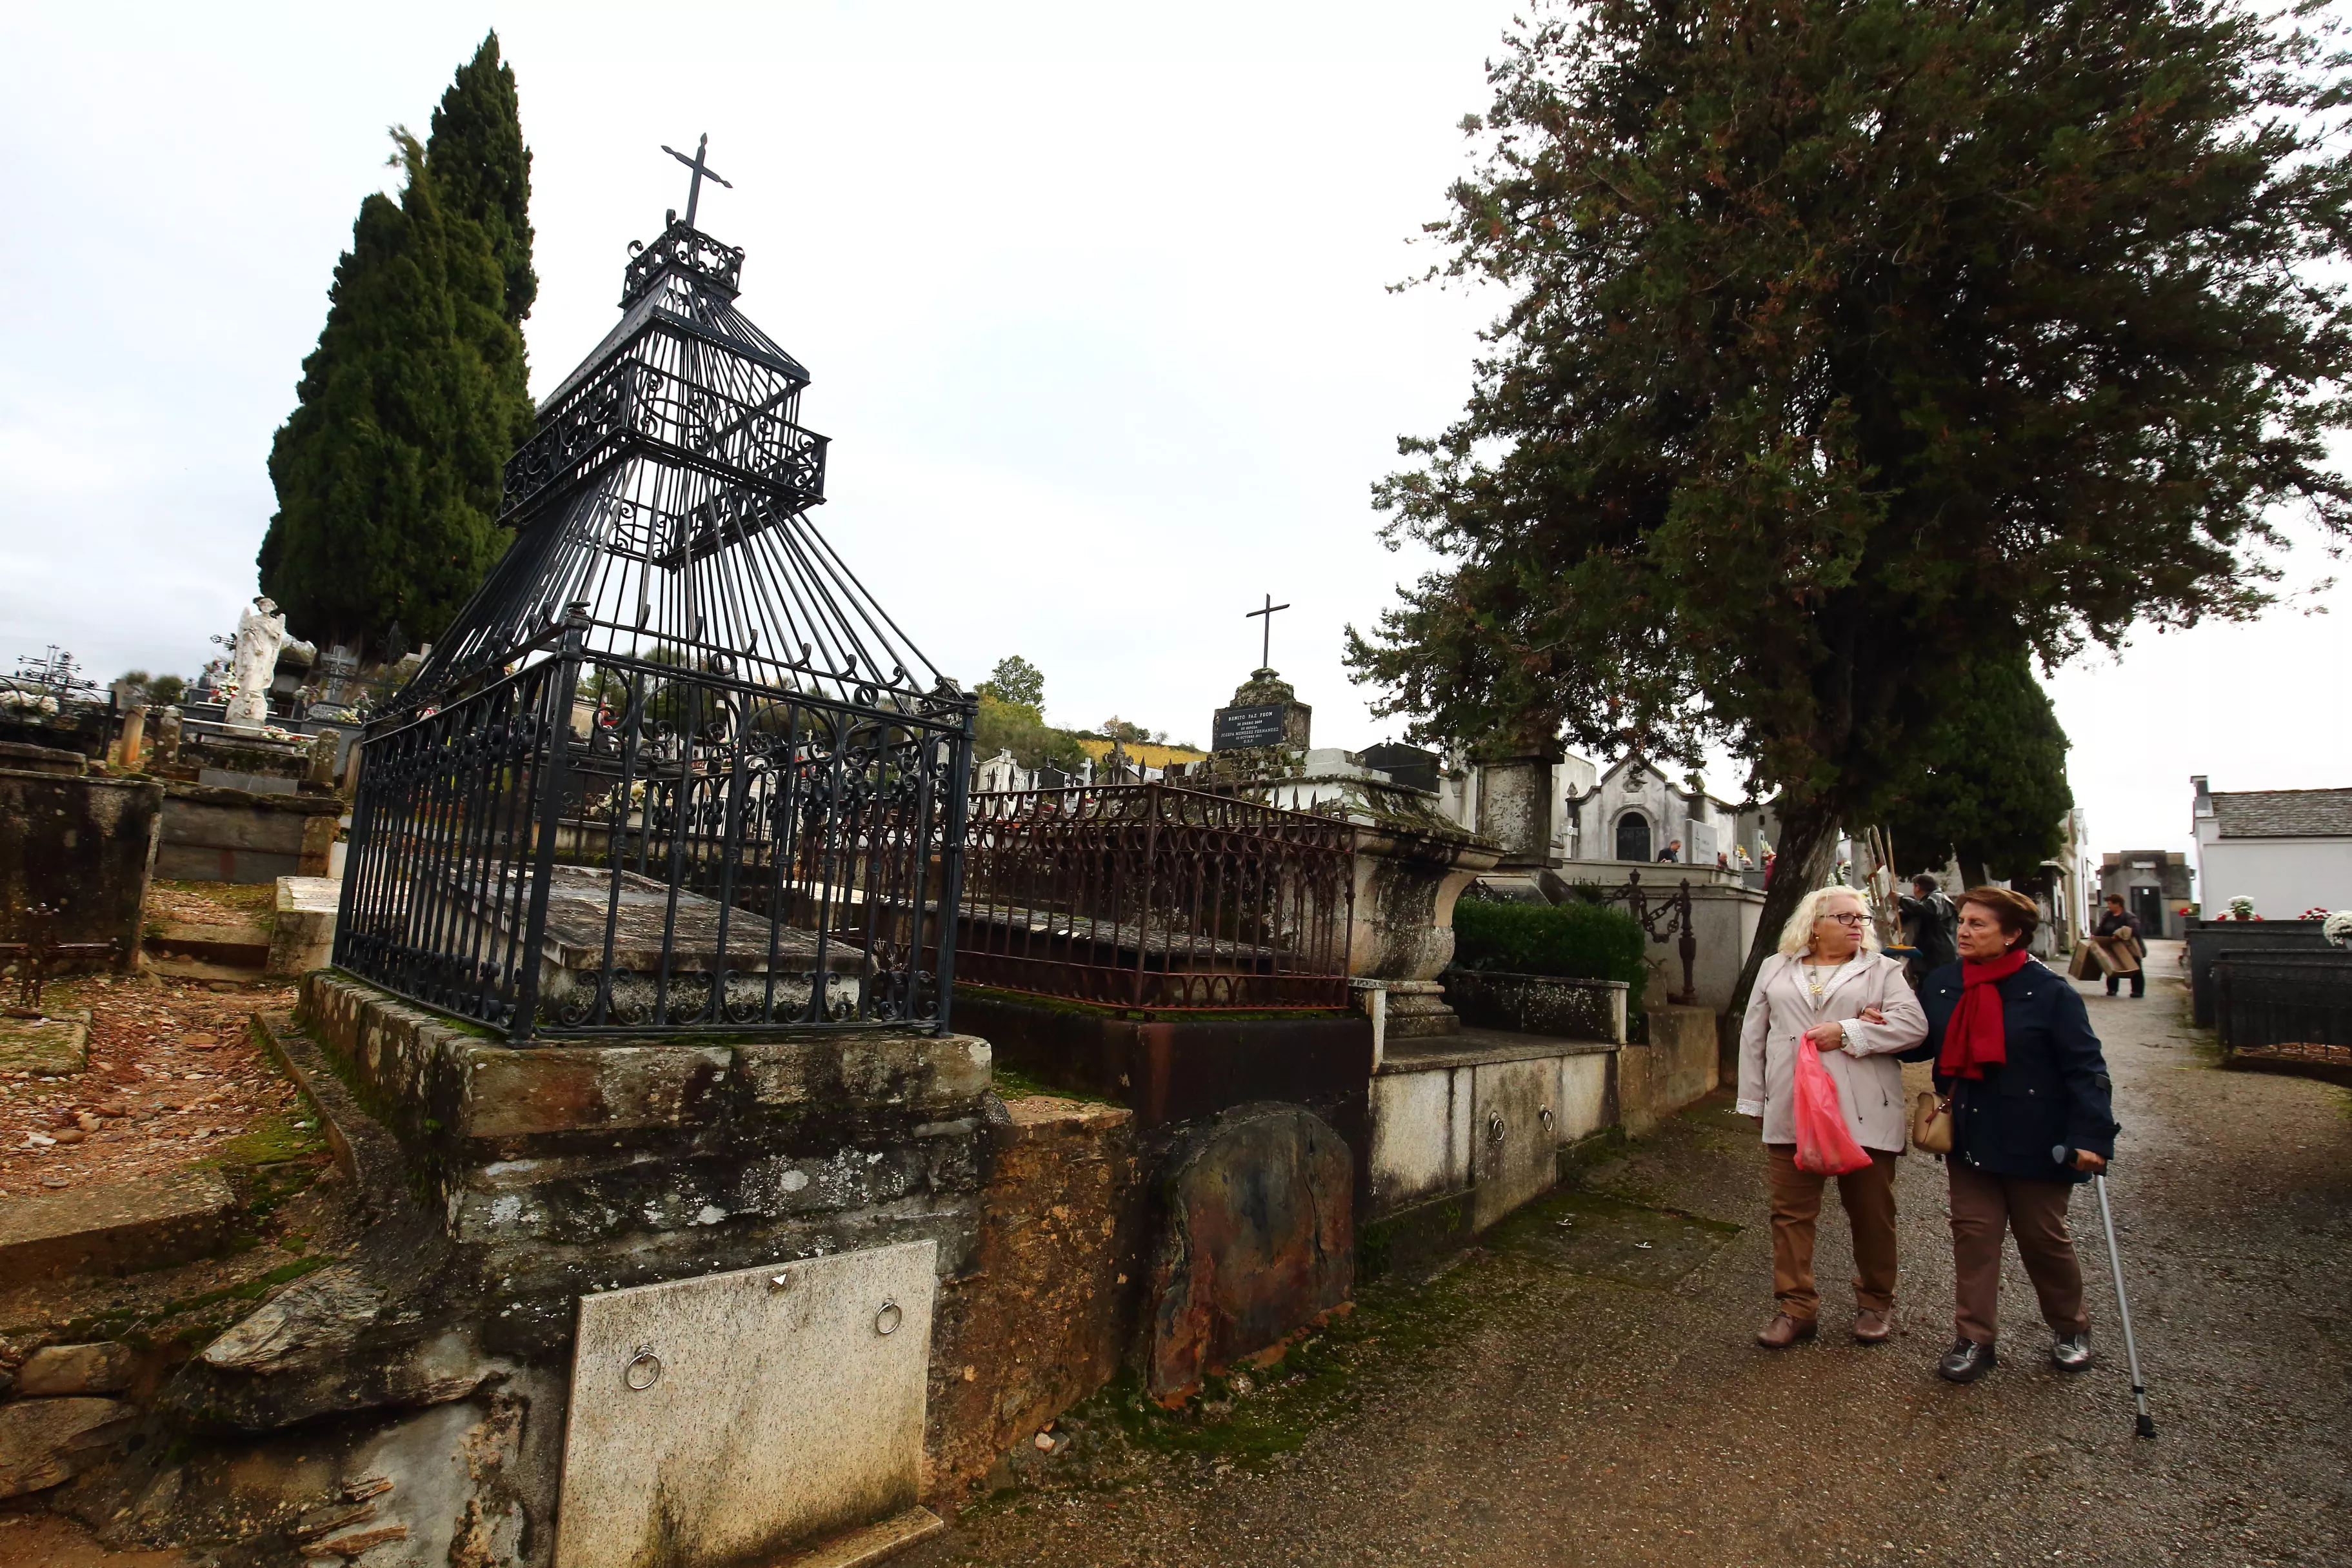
53, 1045
580, 900
724, 1419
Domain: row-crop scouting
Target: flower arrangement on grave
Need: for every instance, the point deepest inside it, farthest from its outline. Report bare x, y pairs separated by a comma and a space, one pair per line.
2337, 928
276, 732
23, 702
2242, 909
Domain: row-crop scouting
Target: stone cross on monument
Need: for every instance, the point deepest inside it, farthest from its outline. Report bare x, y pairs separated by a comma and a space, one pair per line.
701, 169
1265, 645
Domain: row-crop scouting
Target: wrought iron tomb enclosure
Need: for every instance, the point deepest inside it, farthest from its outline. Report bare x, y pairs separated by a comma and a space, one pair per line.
2284, 1005
672, 768
1145, 895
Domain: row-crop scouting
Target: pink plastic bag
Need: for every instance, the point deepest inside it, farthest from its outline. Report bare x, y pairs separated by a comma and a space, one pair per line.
1824, 1146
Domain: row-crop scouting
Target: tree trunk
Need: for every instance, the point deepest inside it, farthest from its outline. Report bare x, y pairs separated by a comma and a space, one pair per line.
1806, 850
1973, 874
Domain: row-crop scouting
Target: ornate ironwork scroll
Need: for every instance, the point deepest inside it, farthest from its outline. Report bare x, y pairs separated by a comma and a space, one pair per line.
1670, 916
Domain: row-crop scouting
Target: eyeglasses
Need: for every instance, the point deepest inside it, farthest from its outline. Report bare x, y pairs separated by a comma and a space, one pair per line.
1847, 919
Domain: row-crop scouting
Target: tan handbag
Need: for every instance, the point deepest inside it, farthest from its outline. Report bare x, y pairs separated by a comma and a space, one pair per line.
1931, 1125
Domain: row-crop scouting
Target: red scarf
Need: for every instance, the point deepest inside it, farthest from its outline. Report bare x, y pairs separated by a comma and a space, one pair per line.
1974, 1039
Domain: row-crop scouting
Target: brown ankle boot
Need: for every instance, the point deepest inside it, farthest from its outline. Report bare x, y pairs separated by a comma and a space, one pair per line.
1784, 1331
1871, 1327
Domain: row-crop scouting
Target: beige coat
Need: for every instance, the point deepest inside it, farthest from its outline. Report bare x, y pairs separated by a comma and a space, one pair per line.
1869, 1080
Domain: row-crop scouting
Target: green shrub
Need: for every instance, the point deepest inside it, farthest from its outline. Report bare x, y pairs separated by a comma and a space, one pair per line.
1578, 940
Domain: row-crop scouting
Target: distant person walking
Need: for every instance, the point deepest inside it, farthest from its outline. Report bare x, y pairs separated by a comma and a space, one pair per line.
2123, 931
1830, 991
2025, 1075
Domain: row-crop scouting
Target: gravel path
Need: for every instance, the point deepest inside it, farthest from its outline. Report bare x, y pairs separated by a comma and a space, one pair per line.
1582, 1388
172, 1071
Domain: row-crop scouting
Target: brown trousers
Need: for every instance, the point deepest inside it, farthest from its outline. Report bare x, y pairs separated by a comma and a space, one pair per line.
2034, 1211
1868, 1195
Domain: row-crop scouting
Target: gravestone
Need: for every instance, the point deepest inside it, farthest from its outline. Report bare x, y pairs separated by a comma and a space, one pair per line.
1258, 1242
1264, 712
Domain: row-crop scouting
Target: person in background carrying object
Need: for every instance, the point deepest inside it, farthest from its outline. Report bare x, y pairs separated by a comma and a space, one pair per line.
1830, 991
1928, 921
2124, 930
1673, 851
2014, 1050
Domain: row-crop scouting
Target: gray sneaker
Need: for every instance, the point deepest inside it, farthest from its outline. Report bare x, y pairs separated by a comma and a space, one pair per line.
2071, 1352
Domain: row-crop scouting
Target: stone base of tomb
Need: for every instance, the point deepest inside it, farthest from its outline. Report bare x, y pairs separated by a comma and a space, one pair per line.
415, 1389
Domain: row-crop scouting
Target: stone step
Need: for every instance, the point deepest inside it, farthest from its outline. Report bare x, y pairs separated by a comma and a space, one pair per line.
242, 947
204, 970
115, 1229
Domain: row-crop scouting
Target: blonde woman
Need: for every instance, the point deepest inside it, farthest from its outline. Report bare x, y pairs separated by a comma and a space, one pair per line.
1830, 991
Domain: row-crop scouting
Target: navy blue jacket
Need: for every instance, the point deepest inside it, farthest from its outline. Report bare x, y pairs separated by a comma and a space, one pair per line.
2054, 1090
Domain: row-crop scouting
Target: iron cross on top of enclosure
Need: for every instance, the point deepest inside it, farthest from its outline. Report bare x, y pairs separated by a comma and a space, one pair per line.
1265, 644
702, 170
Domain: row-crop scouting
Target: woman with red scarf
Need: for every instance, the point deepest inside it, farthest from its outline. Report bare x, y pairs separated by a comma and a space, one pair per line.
2015, 1053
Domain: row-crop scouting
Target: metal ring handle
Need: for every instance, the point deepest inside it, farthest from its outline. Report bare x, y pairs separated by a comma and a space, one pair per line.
644, 1370
1495, 1126
888, 1319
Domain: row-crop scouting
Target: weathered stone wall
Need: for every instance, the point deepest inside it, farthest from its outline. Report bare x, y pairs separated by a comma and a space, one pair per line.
562, 1170
1043, 1316
235, 835
1515, 808
1539, 1004
1678, 1065
84, 846
1435, 1133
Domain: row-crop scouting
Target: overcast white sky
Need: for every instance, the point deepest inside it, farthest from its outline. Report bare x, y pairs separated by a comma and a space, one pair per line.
1093, 297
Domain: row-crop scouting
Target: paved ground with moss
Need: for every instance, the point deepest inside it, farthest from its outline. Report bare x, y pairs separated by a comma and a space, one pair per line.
1581, 1389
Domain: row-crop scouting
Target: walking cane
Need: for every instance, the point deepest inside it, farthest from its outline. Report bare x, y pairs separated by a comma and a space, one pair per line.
2146, 1426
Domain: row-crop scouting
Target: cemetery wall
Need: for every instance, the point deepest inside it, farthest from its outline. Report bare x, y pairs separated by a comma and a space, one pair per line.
1679, 1063
86, 845
215, 834
1046, 1314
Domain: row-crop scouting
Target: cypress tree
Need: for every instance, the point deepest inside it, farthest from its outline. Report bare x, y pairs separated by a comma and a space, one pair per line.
388, 471
1987, 783
481, 175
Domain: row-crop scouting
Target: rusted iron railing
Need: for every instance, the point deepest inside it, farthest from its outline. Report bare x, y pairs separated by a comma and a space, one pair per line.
1143, 896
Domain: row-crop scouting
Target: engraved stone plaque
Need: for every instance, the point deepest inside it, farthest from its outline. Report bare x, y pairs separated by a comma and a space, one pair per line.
720, 1419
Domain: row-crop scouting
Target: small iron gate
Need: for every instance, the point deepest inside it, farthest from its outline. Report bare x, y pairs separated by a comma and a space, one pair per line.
1144, 895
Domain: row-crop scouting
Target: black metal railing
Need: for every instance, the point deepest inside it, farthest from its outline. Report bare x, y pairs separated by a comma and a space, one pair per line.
1148, 896
602, 846
2267, 1002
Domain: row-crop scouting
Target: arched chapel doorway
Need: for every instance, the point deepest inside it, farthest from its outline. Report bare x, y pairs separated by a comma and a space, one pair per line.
1634, 837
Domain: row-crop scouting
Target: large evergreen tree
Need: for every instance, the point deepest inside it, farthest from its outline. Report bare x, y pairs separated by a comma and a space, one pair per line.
1852, 339
482, 170
388, 471
1987, 784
